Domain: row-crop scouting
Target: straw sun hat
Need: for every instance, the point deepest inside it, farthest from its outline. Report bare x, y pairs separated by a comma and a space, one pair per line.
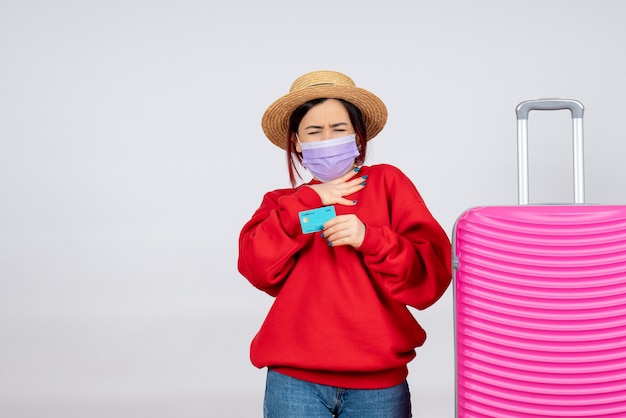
319, 84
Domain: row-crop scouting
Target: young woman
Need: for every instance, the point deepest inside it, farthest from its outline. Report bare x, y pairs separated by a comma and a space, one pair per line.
344, 255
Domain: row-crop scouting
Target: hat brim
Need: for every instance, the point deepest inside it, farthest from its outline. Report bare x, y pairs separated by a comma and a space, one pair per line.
275, 121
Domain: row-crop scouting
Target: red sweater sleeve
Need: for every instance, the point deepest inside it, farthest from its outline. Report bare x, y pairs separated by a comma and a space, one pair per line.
340, 315
409, 254
269, 240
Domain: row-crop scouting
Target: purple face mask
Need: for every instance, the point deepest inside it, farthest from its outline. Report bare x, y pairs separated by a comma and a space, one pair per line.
331, 158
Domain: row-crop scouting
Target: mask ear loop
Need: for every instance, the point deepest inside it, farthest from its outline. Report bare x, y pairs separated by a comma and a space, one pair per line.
298, 138
358, 147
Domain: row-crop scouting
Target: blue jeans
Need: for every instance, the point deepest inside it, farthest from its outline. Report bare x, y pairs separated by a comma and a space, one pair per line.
287, 397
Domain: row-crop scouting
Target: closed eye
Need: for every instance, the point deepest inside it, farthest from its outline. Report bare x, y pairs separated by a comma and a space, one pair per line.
314, 129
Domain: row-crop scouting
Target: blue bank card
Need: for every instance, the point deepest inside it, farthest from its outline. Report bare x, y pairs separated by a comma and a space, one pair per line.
312, 220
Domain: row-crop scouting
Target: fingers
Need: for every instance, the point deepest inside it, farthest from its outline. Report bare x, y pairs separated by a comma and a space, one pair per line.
344, 230
349, 174
334, 192
359, 181
347, 202
346, 176
351, 186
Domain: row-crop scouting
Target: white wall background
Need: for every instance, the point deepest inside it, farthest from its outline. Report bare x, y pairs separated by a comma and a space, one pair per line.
131, 154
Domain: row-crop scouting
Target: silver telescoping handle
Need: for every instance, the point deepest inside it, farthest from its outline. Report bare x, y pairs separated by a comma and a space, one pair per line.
577, 110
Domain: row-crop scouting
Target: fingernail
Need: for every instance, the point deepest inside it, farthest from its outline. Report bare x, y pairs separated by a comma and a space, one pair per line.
322, 235
364, 177
356, 169
330, 244
355, 202
363, 184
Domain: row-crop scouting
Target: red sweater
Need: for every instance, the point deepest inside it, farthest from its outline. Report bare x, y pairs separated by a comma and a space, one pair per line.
340, 315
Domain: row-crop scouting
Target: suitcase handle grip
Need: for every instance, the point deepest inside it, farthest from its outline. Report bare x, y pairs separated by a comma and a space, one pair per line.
574, 106
577, 110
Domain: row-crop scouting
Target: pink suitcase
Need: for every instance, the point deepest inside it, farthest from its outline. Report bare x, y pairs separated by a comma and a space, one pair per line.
540, 300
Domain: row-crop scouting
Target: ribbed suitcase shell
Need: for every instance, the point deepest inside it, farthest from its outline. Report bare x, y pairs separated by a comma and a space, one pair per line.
540, 301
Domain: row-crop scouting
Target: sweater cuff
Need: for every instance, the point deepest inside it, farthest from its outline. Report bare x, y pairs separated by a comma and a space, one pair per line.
308, 196
373, 242
303, 199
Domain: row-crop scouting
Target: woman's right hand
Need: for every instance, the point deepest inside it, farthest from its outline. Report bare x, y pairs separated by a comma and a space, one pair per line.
333, 192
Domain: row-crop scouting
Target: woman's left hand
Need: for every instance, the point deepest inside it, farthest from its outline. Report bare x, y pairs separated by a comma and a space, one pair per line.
344, 230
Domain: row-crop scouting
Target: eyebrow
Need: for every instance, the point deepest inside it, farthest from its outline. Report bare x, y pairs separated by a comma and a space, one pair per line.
334, 125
